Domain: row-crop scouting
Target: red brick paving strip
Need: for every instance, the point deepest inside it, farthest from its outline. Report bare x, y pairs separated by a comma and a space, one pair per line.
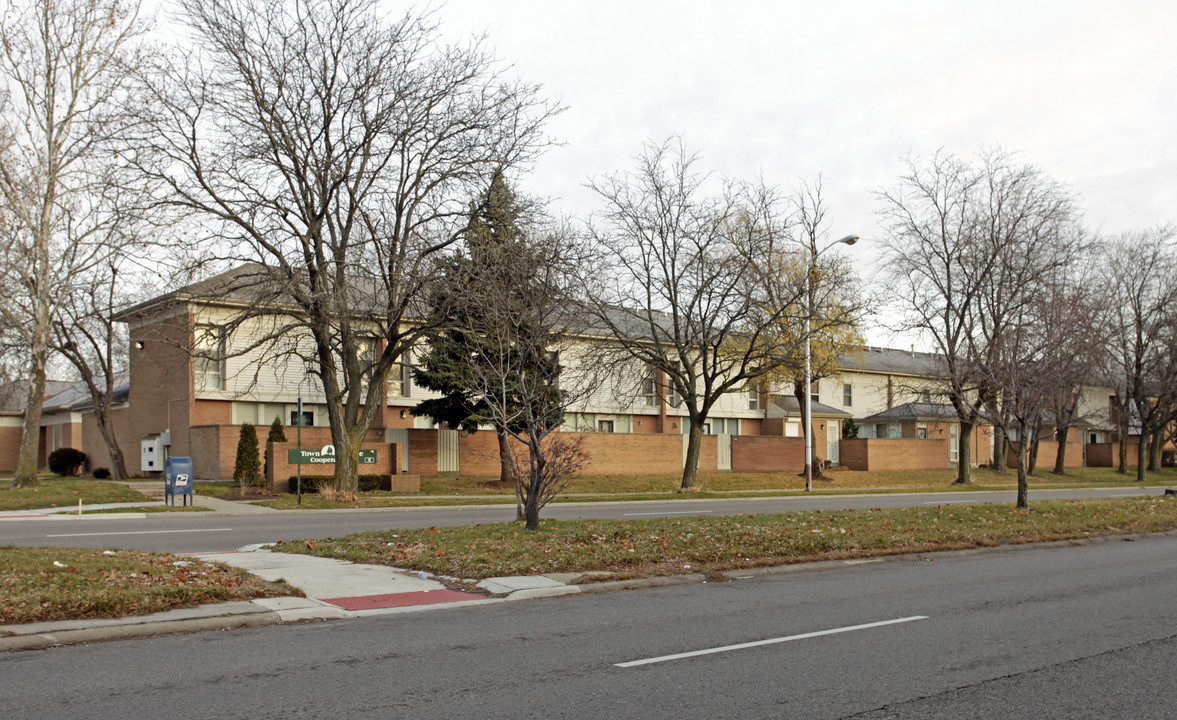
423, 597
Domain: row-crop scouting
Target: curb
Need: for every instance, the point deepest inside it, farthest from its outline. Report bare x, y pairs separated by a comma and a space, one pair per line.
39, 641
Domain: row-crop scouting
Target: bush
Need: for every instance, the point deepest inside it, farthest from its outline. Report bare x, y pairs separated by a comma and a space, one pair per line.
66, 461
247, 470
276, 432
314, 483
101, 473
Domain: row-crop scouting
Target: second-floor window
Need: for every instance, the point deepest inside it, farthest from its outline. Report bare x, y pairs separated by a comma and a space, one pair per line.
649, 387
209, 357
847, 395
753, 397
400, 378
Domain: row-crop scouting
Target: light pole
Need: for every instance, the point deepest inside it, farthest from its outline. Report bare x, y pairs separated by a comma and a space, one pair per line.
808, 420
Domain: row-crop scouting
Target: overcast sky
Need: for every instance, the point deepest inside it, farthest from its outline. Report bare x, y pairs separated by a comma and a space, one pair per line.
785, 90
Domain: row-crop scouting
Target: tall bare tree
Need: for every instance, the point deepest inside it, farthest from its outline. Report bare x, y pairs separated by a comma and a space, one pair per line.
66, 65
686, 285
336, 151
1141, 290
967, 242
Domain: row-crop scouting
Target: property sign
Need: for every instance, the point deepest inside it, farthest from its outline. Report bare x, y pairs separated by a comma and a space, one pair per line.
324, 456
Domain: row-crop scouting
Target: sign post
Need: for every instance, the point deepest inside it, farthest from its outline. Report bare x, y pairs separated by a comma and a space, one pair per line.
298, 482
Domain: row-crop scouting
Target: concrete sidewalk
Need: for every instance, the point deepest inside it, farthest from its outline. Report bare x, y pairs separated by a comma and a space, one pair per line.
335, 589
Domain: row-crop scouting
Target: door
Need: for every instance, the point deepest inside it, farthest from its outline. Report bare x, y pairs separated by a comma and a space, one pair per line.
447, 452
833, 437
723, 445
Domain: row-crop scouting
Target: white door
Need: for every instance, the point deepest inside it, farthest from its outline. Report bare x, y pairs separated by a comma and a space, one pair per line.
723, 444
833, 437
447, 451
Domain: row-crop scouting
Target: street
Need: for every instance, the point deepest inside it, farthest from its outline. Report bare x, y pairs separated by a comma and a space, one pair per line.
1063, 632
210, 533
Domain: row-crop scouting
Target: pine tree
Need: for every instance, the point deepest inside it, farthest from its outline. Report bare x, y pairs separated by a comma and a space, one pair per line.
247, 468
495, 223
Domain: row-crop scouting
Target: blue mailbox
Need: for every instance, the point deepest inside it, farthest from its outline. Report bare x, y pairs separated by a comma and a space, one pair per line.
177, 479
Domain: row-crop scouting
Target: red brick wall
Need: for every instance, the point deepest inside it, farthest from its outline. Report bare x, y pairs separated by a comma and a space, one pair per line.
762, 453
608, 453
422, 452
279, 469
894, 454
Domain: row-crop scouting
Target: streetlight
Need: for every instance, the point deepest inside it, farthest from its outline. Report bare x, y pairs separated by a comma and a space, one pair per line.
848, 240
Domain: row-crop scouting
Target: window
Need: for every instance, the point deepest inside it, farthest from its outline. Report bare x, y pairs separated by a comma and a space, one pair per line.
954, 443
847, 395
921, 432
308, 418
673, 398
605, 426
753, 391
400, 378
209, 357
649, 387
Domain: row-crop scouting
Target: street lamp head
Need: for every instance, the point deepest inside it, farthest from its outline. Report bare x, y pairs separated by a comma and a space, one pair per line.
848, 240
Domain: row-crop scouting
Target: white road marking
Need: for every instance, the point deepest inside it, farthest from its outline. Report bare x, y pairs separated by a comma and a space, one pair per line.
861, 562
772, 641
142, 532
685, 512
948, 502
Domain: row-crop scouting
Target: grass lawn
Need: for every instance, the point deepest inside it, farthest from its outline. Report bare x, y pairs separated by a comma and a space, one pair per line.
41, 584
628, 548
483, 491
65, 492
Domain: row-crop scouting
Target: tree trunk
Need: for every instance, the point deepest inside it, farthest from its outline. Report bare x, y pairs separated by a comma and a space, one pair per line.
1032, 459
535, 480
964, 453
1023, 484
1060, 458
347, 457
1142, 455
118, 463
998, 453
1154, 451
1123, 468
506, 471
690, 469
30, 441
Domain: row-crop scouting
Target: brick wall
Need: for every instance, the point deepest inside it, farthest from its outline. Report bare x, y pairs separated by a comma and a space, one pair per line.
161, 384
608, 453
894, 454
1048, 452
753, 453
10, 435
1108, 454
279, 468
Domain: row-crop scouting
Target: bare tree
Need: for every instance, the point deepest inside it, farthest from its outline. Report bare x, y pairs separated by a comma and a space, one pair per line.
336, 151
67, 65
967, 244
686, 284
1141, 287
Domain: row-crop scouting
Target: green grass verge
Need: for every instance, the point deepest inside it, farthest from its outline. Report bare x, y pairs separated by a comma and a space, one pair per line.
65, 493
448, 491
627, 548
39, 584
149, 509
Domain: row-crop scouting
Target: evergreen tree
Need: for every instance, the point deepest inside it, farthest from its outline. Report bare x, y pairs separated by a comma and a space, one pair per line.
247, 468
276, 432
495, 224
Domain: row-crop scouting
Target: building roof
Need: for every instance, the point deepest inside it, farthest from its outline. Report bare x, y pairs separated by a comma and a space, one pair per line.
75, 396
786, 406
891, 361
914, 411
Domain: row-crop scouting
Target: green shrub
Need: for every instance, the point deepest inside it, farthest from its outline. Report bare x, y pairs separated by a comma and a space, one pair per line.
66, 461
101, 473
312, 483
247, 470
276, 432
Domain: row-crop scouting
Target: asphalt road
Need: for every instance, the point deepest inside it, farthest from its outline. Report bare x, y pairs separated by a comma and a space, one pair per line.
1064, 632
172, 533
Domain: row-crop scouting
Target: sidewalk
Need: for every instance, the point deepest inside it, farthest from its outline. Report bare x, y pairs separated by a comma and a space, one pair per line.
335, 589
